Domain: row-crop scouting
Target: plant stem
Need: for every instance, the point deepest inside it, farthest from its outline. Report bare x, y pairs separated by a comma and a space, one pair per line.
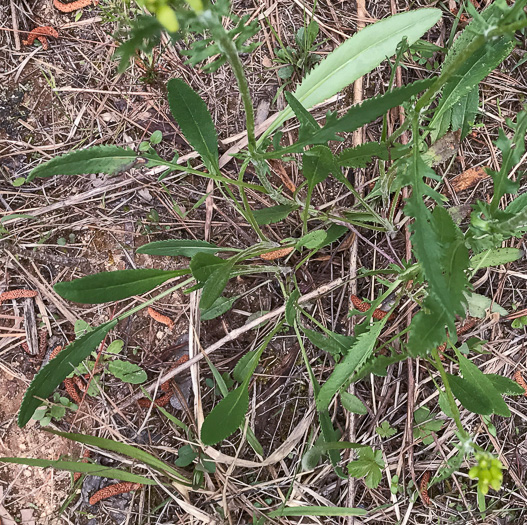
227, 46
451, 401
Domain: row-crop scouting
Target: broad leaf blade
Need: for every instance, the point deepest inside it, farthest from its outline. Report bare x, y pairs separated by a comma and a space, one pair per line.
495, 257
53, 373
194, 119
178, 247
113, 286
226, 416
357, 56
98, 159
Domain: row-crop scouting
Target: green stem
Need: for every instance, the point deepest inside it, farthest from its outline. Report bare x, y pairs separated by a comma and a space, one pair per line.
228, 48
450, 397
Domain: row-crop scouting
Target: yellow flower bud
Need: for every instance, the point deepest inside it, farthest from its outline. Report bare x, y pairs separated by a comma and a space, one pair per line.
167, 18
197, 5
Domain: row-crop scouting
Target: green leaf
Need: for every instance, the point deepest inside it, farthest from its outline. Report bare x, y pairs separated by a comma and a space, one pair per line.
273, 213
203, 265
291, 307
369, 464
464, 112
512, 151
215, 285
219, 307
113, 286
317, 163
97, 159
156, 137
333, 343
226, 416
309, 510
245, 366
479, 304
352, 403
495, 257
312, 240
55, 371
179, 247
517, 205
186, 456
194, 119
355, 357
115, 347
124, 449
471, 396
386, 430
361, 156
481, 386
78, 466
476, 66
505, 386
127, 372
372, 108
357, 56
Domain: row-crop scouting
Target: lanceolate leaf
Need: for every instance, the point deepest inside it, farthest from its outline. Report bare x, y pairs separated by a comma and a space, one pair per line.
219, 307
357, 56
273, 213
495, 257
53, 373
182, 247
121, 448
113, 286
360, 156
368, 111
476, 66
194, 119
226, 416
88, 468
203, 265
215, 285
98, 159
355, 357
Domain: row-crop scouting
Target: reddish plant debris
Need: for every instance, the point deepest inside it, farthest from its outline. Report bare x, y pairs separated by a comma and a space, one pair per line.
363, 306
42, 343
55, 352
69, 385
160, 318
77, 475
423, 488
469, 178
114, 490
160, 402
165, 387
276, 254
16, 294
68, 7
40, 34
519, 379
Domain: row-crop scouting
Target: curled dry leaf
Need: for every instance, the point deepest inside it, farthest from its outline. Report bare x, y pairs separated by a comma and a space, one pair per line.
468, 179
160, 318
276, 254
68, 7
519, 379
40, 34
114, 490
